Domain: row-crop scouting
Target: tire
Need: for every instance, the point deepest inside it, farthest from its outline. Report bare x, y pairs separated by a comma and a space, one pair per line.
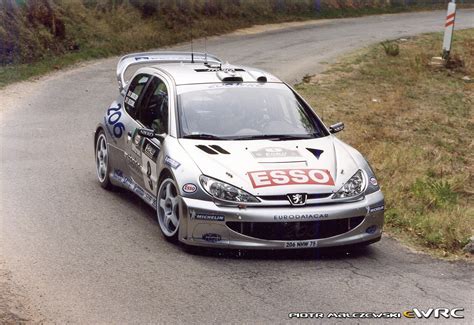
102, 161
167, 209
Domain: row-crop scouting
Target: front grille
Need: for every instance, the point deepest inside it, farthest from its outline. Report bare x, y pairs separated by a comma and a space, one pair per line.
285, 198
302, 230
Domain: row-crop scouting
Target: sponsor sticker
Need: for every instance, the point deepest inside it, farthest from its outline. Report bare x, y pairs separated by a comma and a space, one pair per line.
282, 177
150, 150
139, 191
306, 216
375, 209
373, 181
275, 152
171, 162
189, 188
147, 133
133, 164
371, 229
131, 185
209, 217
137, 139
132, 95
235, 85
136, 142
212, 238
130, 102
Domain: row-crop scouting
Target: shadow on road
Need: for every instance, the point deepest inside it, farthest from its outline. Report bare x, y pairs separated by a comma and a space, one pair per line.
303, 254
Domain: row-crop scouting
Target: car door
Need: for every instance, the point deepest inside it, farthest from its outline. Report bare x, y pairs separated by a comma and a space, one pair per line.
153, 114
134, 98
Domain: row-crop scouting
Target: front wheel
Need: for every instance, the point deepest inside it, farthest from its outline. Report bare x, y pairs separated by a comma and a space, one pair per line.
167, 209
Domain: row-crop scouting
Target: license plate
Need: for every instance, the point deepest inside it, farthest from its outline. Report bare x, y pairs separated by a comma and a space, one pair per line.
301, 244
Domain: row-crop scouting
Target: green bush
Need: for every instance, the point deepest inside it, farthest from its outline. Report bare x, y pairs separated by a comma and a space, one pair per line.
391, 48
434, 193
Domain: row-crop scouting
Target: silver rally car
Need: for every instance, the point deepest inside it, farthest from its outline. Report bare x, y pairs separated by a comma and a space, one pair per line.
232, 157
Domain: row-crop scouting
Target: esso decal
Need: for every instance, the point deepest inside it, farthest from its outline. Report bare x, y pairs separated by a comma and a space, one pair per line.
281, 177
189, 188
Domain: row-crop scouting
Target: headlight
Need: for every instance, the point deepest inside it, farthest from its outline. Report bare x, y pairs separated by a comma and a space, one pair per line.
224, 191
353, 187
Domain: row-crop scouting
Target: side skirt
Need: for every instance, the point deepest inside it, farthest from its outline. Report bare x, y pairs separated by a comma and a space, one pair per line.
126, 182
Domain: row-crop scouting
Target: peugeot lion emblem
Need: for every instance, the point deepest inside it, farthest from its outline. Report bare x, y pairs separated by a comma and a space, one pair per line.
297, 198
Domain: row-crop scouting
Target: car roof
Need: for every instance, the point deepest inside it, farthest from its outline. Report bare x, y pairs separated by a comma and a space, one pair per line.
200, 73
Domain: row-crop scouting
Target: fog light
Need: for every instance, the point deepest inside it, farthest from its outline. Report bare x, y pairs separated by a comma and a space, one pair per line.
371, 229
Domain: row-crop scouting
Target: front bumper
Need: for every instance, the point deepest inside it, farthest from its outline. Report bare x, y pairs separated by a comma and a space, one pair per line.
203, 223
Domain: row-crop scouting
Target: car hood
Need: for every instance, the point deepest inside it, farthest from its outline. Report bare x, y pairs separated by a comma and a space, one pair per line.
266, 167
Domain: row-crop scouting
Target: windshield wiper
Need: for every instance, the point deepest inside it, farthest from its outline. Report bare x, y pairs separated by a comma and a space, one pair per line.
203, 136
276, 137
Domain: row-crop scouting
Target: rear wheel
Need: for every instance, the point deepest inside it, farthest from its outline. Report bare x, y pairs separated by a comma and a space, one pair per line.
102, 161
167, 209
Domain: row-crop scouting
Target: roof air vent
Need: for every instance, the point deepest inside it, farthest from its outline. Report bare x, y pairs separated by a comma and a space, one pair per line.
258, 75
228, 73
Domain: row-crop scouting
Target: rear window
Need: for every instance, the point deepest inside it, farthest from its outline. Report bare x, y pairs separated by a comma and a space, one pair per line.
133, 93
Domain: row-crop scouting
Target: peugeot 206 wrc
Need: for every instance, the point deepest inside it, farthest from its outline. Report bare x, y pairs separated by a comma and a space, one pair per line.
232, 157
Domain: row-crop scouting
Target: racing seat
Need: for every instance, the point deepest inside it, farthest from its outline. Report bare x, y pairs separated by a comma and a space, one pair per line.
156, 112
160, 123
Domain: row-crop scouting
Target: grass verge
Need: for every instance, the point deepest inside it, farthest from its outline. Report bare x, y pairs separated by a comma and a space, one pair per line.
415, 125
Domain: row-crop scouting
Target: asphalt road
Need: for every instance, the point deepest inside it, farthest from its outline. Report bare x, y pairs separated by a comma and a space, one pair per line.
84, 255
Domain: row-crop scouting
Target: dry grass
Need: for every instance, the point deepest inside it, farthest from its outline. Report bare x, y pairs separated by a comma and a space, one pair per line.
415, 125
37, 36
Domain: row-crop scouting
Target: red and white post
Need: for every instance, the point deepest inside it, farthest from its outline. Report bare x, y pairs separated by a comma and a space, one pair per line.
448, 29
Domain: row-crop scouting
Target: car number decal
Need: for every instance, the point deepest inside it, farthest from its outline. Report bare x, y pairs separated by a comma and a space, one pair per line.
280, 177
149, 157
113, 119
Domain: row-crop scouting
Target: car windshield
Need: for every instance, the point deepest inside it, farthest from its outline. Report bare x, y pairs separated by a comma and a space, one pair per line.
244, 111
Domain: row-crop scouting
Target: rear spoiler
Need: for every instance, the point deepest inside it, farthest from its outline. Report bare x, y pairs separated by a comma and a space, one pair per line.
159, 57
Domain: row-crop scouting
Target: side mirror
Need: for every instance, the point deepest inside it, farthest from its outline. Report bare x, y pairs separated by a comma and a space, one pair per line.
336, 127
150, 134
